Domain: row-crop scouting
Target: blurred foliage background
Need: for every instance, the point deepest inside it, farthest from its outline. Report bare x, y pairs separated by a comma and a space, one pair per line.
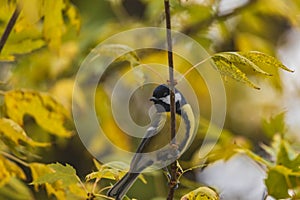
49, 42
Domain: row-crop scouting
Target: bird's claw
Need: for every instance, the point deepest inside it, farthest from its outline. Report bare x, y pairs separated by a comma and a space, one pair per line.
175, 82
174, 184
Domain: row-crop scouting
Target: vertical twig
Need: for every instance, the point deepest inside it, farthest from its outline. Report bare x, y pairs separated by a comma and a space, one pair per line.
173, 180
9, 27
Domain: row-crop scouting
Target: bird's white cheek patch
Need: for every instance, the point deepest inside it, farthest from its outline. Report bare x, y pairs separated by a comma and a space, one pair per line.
167, 98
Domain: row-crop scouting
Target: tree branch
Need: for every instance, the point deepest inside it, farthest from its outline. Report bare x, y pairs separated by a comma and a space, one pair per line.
9, 27
173, 180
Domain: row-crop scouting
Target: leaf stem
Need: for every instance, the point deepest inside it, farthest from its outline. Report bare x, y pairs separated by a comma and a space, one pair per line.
193, 67
14, 158
9, 27
173, 180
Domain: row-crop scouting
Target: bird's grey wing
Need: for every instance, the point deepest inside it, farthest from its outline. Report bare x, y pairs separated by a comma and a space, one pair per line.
153, 129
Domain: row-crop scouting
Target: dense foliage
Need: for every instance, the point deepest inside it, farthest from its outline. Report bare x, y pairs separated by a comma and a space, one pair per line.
41, 155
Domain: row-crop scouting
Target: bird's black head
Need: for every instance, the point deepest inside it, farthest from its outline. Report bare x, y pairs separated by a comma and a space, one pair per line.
161, 99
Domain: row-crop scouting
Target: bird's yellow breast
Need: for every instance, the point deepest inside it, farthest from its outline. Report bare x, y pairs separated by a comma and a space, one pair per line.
184, 129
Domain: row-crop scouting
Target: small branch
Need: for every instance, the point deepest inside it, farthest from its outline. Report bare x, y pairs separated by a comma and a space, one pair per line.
173, 180
14, 158
9, 27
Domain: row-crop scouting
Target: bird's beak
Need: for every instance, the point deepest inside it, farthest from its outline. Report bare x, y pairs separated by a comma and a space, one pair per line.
153, 99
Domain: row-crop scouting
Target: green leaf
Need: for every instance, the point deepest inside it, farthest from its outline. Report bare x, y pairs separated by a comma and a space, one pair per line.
274, 125
201, 193
261, 59
59, 172
47, 112
16, 189
288, 157
277, 185
227, 68
39, 170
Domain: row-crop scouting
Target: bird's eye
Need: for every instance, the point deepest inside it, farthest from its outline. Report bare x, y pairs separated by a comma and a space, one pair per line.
165, 94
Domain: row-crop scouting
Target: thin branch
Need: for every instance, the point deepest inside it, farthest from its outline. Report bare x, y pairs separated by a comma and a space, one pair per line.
173, 180
14, 158
9, 27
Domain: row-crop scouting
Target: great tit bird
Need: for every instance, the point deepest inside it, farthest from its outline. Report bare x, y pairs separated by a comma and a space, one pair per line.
155, 147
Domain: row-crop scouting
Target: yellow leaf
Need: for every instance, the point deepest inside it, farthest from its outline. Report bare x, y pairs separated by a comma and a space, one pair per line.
107, 172
47, 112
6, 58
201, 193
238, 59
73, 15
13, 132
261, 59
37, 170
54, 177
4, 174
54, 27
227, 68
8, 170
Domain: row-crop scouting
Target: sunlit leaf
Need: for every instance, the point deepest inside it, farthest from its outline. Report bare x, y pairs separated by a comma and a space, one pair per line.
201, 193
227, 68
48, 113
238, 59
58, 172
261, 59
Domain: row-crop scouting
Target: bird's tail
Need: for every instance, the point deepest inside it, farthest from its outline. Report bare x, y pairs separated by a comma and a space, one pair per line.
122, 186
